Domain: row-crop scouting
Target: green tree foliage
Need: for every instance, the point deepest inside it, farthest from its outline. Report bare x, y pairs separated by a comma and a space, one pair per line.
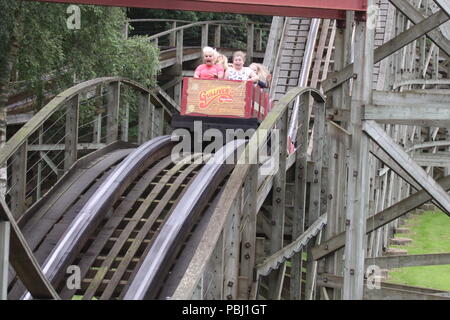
48, 49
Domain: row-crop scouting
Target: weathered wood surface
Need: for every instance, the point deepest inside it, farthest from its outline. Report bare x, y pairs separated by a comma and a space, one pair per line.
23, 261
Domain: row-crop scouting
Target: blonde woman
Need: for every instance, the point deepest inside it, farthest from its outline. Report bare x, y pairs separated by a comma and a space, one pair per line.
209, 70
238, 71
222, 60
263, 74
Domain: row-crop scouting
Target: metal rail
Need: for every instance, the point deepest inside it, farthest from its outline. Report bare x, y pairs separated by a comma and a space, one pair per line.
97, 205
148, 276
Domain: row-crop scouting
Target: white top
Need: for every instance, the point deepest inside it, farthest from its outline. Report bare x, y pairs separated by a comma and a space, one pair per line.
243, 74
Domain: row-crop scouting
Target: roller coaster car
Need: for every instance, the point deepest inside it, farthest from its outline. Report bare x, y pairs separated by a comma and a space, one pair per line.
221, 104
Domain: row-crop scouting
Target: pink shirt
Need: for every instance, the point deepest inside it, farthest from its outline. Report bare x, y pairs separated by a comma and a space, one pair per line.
204, 71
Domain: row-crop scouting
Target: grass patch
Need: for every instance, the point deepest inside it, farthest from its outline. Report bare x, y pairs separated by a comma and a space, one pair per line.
430, 232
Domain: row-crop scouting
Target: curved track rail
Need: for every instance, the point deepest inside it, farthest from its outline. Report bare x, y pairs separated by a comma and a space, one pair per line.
150, 274
88, 217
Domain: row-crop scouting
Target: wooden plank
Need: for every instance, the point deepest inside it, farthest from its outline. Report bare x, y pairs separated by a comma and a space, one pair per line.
231, 254
217, 36
5, 228
214, 270
389, 47
145, 118
380, 219
113, 101
59, 147
248, 238
124, 122
250, 41
439, 159
172, 37
358, 171
416, 16
278, 207
405, 161
412, 260
112, 224
423, 115
316, 191
387, 291
19, 181
125, 234
204, 40
139, 239
23, 261
71, 139
406, 98
444, 5
299, 202
381, 155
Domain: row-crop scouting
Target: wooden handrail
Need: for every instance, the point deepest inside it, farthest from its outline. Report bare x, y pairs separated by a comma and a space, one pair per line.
50, 108
194, 24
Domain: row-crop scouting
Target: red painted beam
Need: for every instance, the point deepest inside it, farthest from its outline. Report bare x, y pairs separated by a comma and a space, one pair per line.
334, 9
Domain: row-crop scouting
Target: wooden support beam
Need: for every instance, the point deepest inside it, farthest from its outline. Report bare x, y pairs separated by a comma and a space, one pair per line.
258, 35
217, 36
276, 30
124, 122
215, 271
113, 101
387, 291
412, 260
174, 107
5, 227
58, 147
439, 159
157, 121
71, 139
380, 219
250, 41
358, 171
316, 191
416, 17
425, 115
248, 238
231, 255
403, 39
278, 207
145, 118
414, 97
405, 161
179, 49
205, 29
381, 155
19, 181
444, 5
299, 202
172, 37
415, 108
24, 262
